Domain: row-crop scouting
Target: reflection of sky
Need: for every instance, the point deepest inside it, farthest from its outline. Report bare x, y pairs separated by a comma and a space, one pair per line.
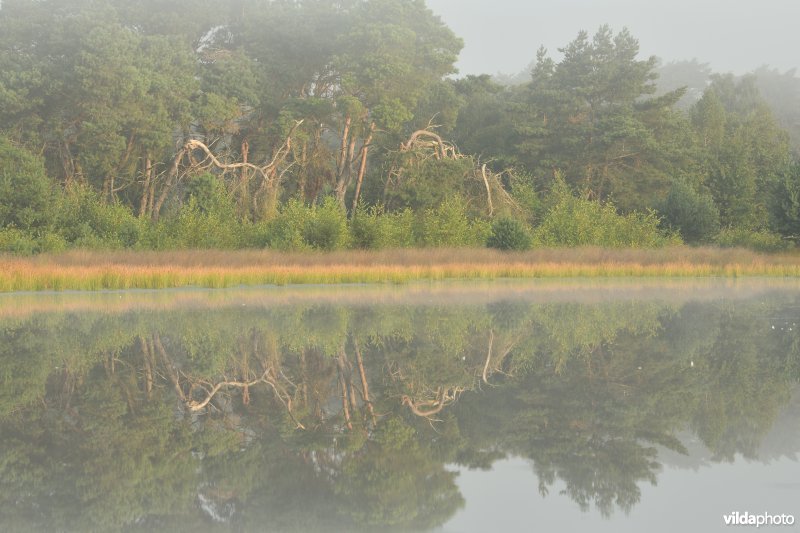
692, 492
507, 499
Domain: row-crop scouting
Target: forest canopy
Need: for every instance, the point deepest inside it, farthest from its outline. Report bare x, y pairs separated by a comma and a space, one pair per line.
323, 125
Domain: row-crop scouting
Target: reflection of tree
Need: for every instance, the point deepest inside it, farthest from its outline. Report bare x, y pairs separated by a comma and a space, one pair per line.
394, 480
341, 418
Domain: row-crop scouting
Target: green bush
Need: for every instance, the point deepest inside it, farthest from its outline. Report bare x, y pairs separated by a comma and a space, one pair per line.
692, 214
209, 195
27, 197
207, 219
523, 192
572, 221
255, 234
326, 226
364, 229
85, 221
396, 230
509, 234
196, 227
785, 203
429, 183
375, 229
19, 242
760, 241
285, 231
448, 225
300, 227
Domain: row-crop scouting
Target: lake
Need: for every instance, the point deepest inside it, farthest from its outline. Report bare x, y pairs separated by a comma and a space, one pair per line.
604, 405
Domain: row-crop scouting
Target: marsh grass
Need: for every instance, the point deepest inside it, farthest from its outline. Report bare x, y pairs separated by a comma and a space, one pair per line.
83, 270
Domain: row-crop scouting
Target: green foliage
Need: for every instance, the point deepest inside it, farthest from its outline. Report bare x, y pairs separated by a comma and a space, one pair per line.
781, 91
572, 221
287, 230
760, 241
373, 228
428, 183
448, 225
744, 151
785, 203
26, 193
692, 214
509, 234
206, 220
85, 221
19, 242
326, 227
209, 194
300, 227
591, 116
485, 122
193, 227
95, 103
525, 195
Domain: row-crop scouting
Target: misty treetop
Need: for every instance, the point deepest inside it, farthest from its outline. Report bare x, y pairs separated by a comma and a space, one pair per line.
326, 125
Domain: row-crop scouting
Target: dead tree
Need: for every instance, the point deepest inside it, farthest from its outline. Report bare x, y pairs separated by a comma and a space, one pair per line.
271, 174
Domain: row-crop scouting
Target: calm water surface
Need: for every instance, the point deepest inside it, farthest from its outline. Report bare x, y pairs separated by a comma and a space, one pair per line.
549, 406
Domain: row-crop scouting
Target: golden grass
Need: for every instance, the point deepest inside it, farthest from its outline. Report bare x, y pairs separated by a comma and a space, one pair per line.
80, 270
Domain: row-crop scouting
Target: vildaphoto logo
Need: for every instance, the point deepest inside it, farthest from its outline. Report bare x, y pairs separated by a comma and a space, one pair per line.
765, 519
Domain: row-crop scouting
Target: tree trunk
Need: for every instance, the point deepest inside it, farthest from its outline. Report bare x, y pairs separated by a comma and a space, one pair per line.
362, 169
148, 176
173, 173
343, 150
244, 181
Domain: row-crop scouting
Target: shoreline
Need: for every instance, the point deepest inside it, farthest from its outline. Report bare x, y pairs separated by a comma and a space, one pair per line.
121, 270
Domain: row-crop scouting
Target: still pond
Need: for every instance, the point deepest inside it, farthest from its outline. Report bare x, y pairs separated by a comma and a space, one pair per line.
447, 407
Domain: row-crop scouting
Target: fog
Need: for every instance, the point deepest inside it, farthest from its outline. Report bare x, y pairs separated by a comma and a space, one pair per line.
732, 35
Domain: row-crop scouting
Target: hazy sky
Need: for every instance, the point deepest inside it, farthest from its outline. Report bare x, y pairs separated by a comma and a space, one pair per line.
731, 35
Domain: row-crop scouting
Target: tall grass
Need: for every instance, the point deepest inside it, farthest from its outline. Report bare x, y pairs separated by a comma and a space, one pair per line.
83, 270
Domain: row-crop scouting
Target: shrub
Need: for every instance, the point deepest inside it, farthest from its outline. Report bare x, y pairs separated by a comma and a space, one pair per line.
509, 234
364, 230
195, 227
448, 225
209, 194
572, 221
285, 231
785, 203
760, 241
255, 234
85, 221
692, 214
523, 192
396, 230
373, 228
26, 193
19, 242
326, 226
299, 227
429, 183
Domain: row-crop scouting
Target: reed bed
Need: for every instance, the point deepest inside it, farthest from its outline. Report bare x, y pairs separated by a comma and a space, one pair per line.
81, 270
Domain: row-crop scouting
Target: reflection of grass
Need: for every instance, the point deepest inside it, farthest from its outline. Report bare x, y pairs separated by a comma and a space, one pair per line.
215, 269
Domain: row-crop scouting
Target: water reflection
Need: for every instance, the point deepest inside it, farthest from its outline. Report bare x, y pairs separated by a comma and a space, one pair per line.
312, 413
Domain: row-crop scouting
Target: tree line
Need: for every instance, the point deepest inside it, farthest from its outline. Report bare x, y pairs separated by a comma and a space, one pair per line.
342, 124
